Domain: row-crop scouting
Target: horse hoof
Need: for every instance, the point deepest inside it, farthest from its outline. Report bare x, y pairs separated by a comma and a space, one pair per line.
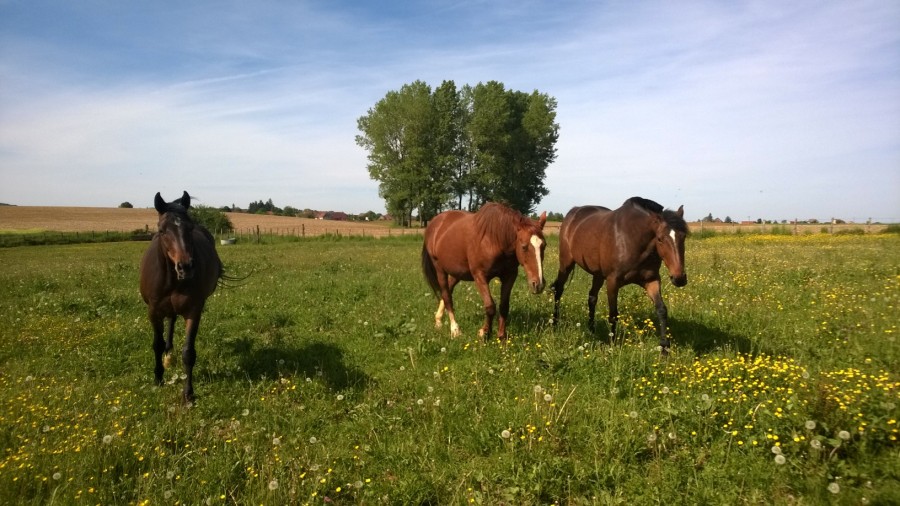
167, 360
438, 324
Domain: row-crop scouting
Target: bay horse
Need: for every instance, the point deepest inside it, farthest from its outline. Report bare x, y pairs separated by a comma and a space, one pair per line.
179, 271
481, 246
622, 247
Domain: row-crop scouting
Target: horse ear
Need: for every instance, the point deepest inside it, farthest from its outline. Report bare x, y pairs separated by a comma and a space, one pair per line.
680, 211
160, 204
186, 200
542, 220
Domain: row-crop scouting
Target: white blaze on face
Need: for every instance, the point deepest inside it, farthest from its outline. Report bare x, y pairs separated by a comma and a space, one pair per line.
536, 243
674, 243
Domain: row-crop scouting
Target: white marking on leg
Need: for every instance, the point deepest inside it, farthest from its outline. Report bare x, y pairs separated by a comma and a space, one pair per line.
439, 314
454, 328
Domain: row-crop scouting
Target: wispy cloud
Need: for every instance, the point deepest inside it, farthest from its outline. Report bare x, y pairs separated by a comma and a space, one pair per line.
767, 109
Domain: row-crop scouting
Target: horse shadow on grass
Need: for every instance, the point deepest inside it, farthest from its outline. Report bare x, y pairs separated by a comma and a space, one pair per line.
318, 360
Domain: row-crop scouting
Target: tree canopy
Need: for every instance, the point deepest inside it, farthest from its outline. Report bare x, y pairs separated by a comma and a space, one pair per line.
448, 148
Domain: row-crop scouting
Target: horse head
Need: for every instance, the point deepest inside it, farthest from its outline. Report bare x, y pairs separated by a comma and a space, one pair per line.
530, 245
176, 234
671, 231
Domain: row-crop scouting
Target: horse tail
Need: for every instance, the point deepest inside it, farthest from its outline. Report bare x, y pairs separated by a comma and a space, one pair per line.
428, 269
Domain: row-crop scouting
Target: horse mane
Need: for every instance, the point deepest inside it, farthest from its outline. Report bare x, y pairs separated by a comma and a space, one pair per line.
672, 219
499, 223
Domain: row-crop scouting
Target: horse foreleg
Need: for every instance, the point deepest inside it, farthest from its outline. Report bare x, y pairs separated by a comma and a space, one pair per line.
167, 353
490, 309
596, 284
189, 355
654, 292
506, 286
159, 345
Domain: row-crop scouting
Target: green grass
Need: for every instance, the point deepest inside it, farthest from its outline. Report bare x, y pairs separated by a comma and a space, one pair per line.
321, 378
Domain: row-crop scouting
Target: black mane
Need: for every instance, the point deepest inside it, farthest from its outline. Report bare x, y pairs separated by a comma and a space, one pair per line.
674, 221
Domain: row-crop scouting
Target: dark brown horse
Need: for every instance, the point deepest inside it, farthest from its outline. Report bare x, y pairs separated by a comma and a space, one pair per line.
621, 247
492, 243
179, 271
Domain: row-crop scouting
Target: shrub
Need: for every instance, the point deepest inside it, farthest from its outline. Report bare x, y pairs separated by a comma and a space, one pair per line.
213, 219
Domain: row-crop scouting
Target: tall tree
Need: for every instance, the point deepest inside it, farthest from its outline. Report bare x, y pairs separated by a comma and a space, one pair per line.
432, 150
397, 132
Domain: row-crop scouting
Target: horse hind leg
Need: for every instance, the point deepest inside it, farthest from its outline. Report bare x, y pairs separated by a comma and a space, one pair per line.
558, 286
596, 284
446, 304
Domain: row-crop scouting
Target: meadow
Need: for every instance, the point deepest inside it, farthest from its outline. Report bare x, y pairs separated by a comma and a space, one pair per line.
321, 379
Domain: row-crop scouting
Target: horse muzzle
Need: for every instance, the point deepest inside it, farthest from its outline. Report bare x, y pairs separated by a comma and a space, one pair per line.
184, 270
679, 281
536, 286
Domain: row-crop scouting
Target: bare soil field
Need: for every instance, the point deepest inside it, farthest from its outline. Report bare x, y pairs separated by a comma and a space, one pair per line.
103, 219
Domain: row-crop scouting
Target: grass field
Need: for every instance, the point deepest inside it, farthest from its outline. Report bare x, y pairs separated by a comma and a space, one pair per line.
321, 379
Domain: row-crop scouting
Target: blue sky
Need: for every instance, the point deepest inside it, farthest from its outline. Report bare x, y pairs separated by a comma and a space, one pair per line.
768, 109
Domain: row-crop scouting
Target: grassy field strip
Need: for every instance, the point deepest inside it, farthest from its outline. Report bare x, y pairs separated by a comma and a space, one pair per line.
321, 379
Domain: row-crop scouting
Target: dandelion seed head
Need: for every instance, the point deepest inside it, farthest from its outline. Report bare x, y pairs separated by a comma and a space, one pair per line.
816, 444
834, 488
57, 476
107, 439
276, 441
420, 402
245, 412
810, 425
340, 397
505, 434
538, 389
313, 440
779, 459
776, 450
273, 485
633, 414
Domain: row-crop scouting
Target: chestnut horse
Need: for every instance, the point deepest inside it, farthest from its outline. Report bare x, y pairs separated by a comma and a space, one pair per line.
622, 247
492, 243
179, 271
